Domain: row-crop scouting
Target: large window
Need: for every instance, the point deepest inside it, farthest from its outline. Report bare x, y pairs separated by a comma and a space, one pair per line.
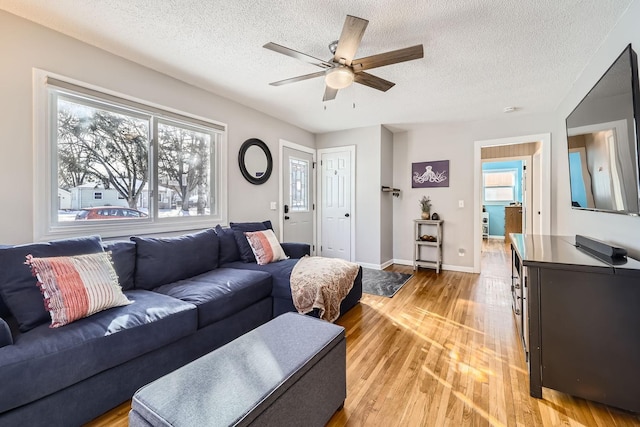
128, 166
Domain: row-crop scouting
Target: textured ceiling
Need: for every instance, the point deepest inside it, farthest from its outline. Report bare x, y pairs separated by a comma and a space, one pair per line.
480, 55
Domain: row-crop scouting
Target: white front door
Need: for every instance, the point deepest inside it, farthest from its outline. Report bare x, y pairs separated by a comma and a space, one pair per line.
336, 198
297, 195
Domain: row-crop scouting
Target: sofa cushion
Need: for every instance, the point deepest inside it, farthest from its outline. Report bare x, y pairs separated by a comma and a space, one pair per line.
77, 286
295, 249
123, 255
5, 334
246, 254
18, 286
4, 310
220, 293
160, 261
54, 359
265, 246
280, 272
228, 246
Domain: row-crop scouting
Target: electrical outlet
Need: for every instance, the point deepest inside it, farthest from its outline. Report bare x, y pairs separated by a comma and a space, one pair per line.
461, 252
461, 203
273, 206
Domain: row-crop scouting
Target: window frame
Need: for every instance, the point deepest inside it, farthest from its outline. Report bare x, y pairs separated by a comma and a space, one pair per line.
46, 225
514, 172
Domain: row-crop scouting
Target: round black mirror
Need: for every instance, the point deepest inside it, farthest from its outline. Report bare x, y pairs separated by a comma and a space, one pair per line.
255, 161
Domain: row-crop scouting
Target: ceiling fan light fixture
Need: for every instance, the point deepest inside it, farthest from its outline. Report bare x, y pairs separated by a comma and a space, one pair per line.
339, 78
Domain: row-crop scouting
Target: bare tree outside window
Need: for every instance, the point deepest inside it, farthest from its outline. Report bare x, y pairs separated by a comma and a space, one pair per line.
104, 148
118, 161
184, 166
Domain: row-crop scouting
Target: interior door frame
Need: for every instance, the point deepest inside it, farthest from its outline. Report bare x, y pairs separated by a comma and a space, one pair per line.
527, 161
352, 213
284, 143
545, 190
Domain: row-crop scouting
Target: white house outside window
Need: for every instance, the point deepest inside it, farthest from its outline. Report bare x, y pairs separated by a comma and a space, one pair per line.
111, 151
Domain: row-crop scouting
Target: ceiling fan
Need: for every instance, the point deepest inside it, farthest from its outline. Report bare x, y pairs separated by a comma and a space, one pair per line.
342, 70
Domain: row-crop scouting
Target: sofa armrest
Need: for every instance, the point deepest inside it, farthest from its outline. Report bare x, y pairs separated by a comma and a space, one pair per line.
5, 334
296, 250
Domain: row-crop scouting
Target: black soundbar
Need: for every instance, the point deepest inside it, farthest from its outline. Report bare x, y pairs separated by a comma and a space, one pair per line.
600, 247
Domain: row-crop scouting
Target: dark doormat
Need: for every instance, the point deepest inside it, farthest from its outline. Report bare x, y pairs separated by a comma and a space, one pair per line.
383, 283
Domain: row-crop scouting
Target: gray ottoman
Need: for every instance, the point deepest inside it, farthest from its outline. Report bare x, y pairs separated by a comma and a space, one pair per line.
289, 371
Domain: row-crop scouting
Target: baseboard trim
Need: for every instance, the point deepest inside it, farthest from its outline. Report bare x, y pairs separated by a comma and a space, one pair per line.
459, 268
371, 266
386, 264
377, 266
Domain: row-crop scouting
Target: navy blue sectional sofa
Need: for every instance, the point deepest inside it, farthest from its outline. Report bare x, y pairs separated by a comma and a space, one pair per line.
191, 294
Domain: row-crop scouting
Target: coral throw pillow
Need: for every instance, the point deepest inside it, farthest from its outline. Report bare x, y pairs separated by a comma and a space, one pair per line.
74, 287
265, 246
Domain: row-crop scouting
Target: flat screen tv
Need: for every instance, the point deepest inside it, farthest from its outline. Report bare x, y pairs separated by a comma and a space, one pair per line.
602, 133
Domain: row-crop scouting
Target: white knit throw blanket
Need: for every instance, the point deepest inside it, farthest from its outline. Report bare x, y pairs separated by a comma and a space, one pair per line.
322, 283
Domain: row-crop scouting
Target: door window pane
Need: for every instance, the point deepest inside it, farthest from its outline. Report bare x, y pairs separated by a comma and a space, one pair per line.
299, 191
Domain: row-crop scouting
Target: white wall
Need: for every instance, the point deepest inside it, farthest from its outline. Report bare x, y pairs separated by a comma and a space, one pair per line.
618, 229
25, 45
367, 209
453, 142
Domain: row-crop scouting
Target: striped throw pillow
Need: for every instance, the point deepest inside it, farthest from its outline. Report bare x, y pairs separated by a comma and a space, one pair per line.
265, 246
78, 286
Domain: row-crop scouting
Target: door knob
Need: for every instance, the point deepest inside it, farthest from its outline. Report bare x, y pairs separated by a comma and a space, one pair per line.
346, 215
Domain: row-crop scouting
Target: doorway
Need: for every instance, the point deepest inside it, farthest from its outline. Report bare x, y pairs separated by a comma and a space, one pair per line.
297, 194
337, 202
540, 174
507, 194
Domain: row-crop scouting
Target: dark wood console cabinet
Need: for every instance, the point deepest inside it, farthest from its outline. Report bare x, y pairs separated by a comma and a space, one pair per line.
579, 320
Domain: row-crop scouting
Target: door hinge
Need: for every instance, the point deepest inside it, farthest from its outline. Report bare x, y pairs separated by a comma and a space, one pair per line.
320, 162
313, 248
313, 207
314, 165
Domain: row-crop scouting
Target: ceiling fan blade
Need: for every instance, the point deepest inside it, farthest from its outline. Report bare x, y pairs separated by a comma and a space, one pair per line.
298, 55
352, 33
298, 79
329, 94
388, 58
373, 81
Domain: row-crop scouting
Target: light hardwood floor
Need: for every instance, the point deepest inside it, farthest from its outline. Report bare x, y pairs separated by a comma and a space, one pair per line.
444, 352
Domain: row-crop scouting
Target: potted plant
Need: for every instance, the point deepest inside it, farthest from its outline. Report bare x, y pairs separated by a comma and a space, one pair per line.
425, 205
